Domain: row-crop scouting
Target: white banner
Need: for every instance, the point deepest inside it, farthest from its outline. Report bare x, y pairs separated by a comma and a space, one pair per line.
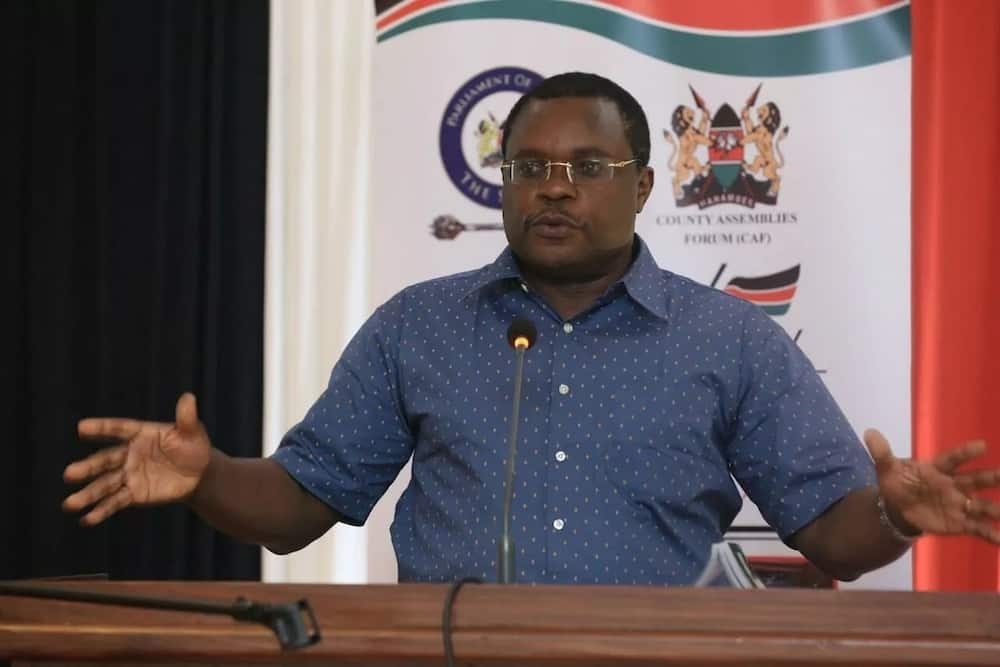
797, 198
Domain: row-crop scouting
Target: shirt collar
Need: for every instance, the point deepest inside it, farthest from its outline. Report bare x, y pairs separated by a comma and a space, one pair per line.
503, 268
644, 281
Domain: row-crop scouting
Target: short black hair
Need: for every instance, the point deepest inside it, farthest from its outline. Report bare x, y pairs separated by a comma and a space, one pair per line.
583, 84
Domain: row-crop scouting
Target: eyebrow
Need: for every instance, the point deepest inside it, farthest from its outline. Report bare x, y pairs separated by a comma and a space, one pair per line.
581, 152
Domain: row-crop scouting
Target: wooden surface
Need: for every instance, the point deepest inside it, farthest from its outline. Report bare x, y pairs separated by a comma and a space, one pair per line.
522, 625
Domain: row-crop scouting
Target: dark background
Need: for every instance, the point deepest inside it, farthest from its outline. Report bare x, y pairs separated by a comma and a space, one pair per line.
132, 256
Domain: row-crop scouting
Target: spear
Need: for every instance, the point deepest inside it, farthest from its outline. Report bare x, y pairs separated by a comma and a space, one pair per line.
698, 99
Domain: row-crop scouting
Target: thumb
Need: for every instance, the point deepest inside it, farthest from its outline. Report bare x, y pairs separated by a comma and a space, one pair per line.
187, 414
879, 448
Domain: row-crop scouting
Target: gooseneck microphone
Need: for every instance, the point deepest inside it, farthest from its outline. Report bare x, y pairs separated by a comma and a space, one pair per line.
521, 335
294, 623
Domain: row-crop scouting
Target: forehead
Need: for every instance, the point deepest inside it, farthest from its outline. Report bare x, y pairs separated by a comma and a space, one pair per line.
563, 125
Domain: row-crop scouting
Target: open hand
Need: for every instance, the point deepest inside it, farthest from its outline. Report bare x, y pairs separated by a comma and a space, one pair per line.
934, 497
155, 463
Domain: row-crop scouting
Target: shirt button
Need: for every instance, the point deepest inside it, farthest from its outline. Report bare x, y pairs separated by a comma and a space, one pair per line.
560, 456
558, 524
563, 389
568, 328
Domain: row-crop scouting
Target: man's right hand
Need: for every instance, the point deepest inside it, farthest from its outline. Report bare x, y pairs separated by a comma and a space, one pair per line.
155, 463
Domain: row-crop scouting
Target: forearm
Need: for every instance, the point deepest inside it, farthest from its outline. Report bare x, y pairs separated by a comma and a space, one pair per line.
850, 538
255, 500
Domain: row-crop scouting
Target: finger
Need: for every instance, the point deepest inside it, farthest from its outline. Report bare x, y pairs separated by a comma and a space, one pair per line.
985, 530
120, 500
108, 427
947, 461
880, 450
978, 508
95, 464
977, 480
187, 413
102, 487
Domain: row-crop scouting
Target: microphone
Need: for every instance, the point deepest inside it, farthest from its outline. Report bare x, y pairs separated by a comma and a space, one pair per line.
521, 335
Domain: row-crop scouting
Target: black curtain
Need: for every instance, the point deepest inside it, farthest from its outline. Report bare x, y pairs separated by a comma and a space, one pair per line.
133, 261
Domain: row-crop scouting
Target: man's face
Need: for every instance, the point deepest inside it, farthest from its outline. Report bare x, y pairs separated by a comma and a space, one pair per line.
564, 231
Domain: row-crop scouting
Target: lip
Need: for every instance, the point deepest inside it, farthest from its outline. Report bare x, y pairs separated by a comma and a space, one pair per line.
552, 225
552, 232
552, 218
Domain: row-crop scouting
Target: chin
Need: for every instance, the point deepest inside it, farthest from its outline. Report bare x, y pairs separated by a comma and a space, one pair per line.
567, 262
553, 257
561, 267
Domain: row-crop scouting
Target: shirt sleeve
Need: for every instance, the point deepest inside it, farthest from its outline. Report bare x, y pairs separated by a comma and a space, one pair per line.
793, 450
354, 440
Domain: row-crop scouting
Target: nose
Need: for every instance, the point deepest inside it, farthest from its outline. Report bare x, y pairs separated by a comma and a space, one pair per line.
558, 185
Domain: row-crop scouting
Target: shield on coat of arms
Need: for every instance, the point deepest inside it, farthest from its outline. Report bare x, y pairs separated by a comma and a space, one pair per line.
726, 151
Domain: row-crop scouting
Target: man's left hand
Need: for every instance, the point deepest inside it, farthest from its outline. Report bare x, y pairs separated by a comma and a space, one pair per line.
934, 497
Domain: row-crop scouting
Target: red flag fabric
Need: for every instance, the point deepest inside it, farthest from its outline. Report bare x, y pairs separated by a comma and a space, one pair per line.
956, 245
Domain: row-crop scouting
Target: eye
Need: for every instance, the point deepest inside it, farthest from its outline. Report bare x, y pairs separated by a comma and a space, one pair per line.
590, 168
530, 169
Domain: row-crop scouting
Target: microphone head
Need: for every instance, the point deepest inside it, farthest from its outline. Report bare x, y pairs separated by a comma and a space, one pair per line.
522, 333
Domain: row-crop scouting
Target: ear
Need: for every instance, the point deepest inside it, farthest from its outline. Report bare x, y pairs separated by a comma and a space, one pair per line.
644, 189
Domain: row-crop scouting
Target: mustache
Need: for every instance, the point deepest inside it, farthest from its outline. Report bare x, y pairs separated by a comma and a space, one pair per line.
551, 217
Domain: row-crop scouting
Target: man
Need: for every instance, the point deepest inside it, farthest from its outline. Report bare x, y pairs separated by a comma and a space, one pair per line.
644, 393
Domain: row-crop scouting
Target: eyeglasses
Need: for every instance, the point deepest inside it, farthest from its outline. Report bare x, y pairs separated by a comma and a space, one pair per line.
579, 172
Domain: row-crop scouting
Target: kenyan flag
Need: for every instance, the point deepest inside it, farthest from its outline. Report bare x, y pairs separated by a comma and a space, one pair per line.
772, 292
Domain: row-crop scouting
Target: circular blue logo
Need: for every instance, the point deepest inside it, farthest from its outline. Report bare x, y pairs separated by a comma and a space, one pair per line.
472, 157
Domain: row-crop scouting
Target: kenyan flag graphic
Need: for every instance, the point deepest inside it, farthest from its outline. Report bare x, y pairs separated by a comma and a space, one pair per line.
772, 292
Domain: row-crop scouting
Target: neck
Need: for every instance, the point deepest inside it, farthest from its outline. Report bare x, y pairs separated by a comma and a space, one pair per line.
571, 294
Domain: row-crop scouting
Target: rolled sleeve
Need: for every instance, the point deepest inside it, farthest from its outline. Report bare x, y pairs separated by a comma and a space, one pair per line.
794, 451
354, 440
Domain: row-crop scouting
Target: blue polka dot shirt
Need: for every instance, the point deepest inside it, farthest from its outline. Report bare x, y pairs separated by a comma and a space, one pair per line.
636, 415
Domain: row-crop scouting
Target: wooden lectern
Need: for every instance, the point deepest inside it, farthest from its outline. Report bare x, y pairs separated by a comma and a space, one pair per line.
516, 625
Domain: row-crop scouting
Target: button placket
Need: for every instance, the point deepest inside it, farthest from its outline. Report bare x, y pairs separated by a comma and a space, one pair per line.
565, 424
